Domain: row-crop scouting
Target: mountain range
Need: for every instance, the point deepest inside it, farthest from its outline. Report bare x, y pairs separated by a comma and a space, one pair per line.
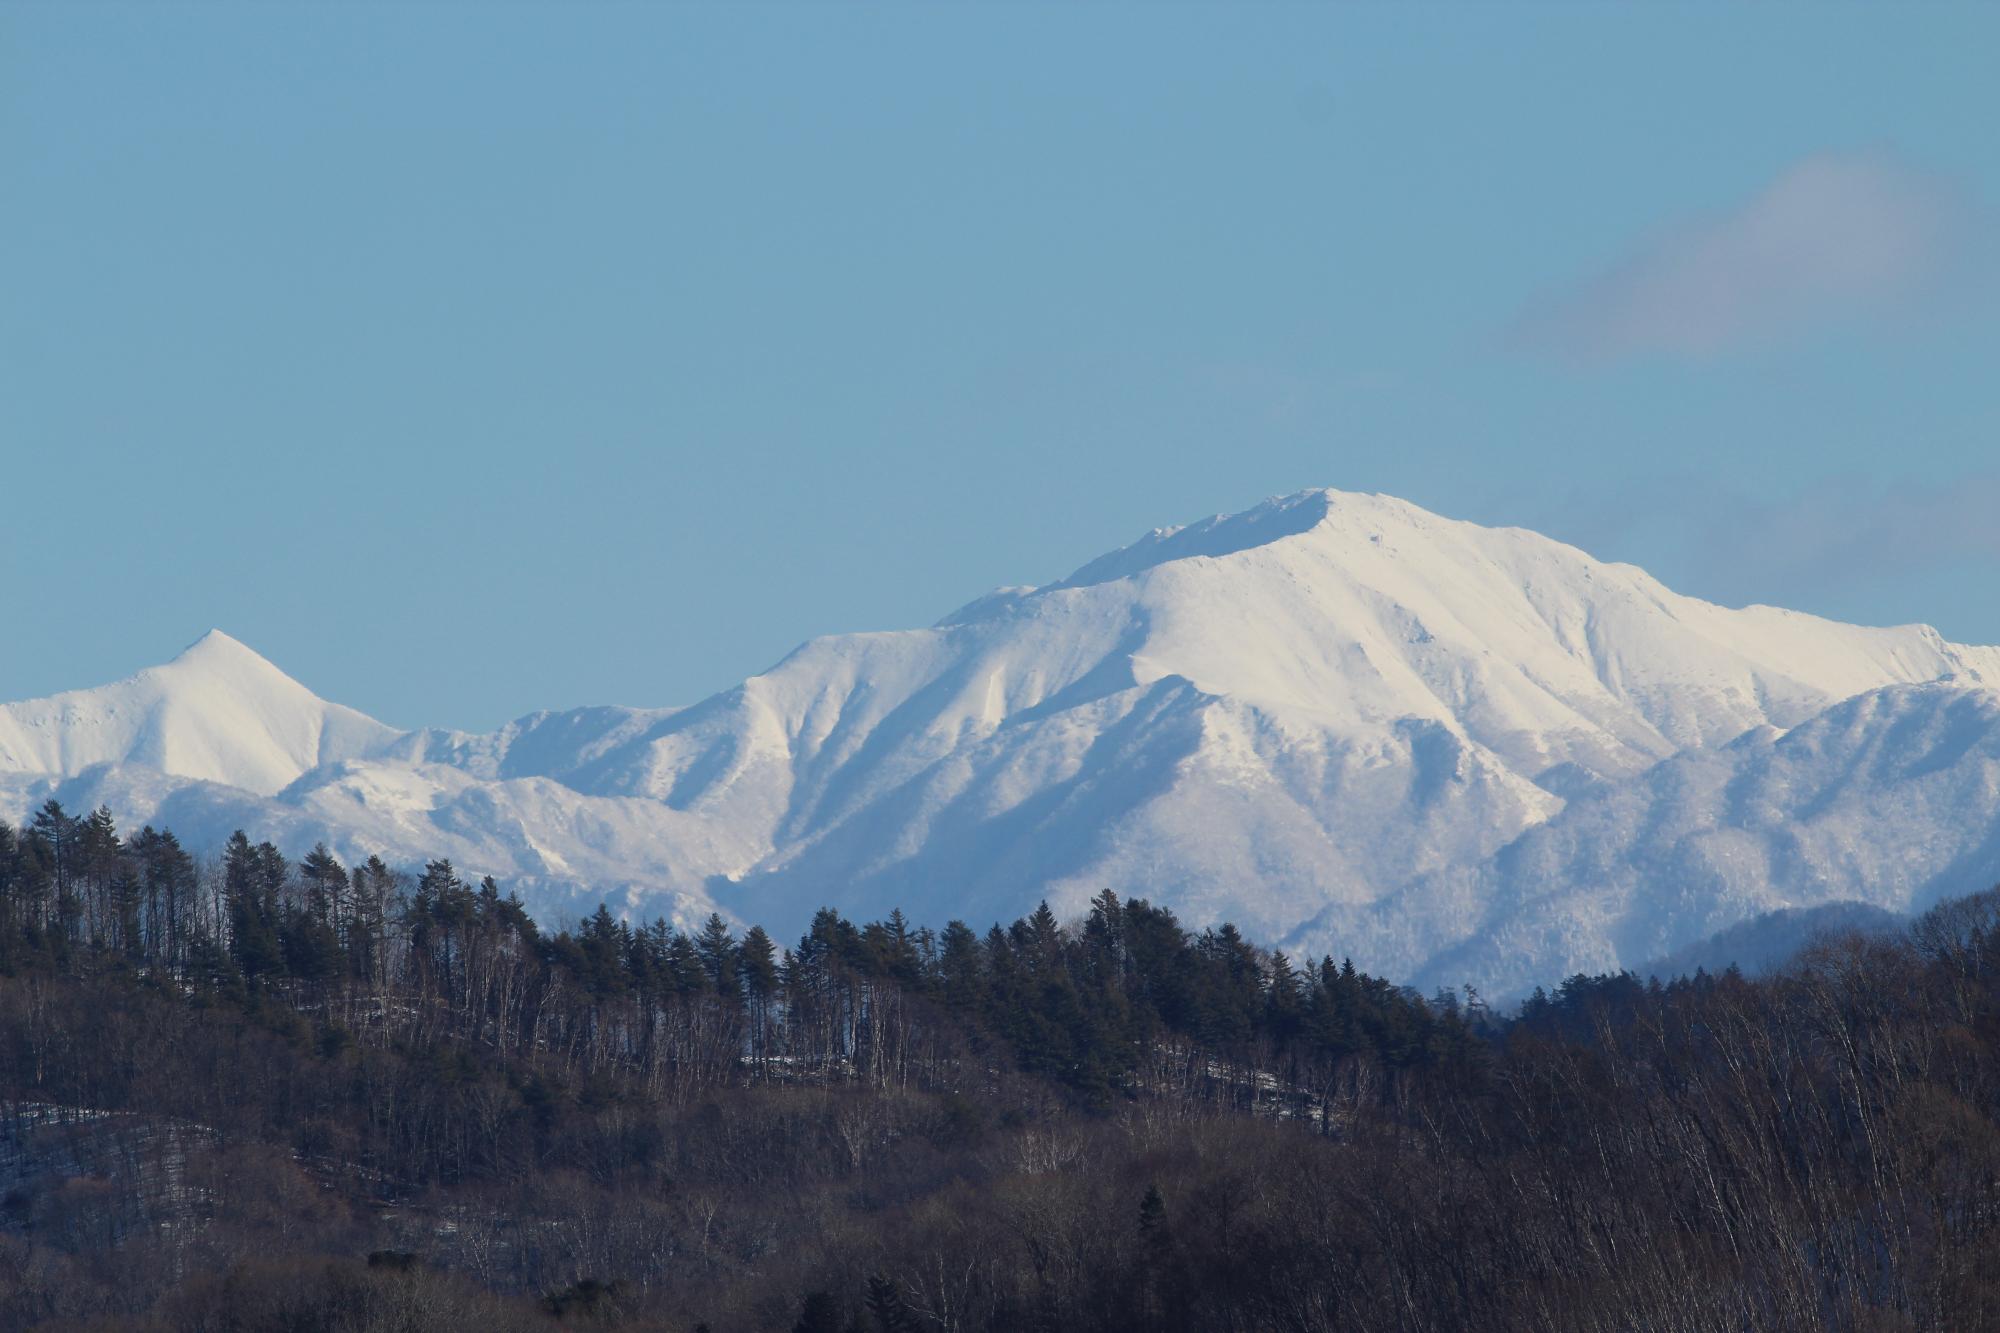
1451, 752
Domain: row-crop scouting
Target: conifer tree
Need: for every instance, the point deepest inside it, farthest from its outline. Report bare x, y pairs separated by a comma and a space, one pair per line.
757, 958
168, 887
960, 976
757, 964
54, 834
325, 883
1284, 999
252, 877
686, 969
57, 833
127, 894
717, 947
372, 887
885, 1305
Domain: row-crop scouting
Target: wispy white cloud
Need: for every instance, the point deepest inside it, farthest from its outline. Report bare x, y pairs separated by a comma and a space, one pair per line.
1835, 237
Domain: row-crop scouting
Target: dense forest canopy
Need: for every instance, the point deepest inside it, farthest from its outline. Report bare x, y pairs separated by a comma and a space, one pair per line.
247, 1091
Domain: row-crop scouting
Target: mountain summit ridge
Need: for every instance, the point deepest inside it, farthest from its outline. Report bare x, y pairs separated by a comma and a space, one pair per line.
1328, 717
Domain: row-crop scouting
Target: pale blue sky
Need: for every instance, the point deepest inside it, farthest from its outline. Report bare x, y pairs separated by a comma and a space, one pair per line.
465, 360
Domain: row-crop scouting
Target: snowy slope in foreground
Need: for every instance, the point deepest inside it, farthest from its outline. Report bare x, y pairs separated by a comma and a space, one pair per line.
1334, 718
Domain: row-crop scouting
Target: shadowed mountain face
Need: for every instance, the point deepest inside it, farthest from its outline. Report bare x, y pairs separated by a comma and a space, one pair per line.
1765, 943
1455, 753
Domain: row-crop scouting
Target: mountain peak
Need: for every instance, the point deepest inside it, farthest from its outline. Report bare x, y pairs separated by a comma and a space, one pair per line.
220, 671
217, 648
214, 638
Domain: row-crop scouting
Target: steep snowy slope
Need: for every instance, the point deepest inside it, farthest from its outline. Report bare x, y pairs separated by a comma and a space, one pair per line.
1334, 717
1892, 797
550, 744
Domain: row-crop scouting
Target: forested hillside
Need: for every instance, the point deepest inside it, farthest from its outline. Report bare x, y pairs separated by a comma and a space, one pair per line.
248, 1092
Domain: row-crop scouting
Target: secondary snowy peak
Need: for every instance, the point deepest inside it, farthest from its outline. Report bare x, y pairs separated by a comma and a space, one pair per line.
218, 713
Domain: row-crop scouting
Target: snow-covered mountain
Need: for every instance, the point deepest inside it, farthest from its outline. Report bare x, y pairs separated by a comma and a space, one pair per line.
218, 712
1454, 752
